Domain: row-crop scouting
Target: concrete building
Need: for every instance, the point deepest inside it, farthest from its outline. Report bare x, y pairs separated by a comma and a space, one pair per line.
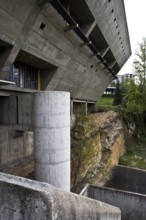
55, 45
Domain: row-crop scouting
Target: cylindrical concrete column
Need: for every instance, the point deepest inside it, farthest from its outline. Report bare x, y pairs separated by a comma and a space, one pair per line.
52, 138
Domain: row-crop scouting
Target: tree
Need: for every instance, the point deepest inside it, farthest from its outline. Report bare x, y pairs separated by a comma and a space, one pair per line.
118, 94
134, 98
139, 67
135, 89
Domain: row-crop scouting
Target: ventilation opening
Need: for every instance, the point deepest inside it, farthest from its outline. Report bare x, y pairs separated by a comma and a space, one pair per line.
42, 26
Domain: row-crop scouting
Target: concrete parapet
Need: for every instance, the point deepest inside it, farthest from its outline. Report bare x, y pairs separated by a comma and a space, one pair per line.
129, 179
21, 198
132, 205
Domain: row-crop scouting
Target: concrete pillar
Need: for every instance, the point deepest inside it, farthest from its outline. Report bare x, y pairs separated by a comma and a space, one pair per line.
86, 106
71, 107
52, 138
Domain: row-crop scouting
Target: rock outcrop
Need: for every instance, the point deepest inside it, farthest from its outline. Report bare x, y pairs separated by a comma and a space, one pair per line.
96, 149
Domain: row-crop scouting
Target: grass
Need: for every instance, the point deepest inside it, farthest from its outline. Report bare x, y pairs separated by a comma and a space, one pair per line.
105, 100
105, 103
136, 157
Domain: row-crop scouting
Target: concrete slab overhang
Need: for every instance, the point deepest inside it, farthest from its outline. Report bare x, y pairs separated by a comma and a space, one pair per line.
5, 82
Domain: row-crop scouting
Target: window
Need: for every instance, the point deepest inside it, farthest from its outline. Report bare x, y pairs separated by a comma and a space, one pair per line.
25, 76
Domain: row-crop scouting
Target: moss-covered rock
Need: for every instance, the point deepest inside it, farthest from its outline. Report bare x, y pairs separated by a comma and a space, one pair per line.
97, 144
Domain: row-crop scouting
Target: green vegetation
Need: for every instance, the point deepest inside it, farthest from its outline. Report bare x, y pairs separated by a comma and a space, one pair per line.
133, 111
118, 95
105, 103
130, 101
85, 152
137, 156
106, 100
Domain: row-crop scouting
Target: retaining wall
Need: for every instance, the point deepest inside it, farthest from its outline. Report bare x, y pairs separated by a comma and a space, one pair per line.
132, 205
21, 198
129, 179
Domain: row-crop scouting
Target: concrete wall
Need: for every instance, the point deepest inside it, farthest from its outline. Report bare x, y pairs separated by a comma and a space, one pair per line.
83, 107
25, 109
79, 107
16, 109
16, 136
25, 199
14, 144
77, 71
132, 205
114, 13
129, 179
8, 110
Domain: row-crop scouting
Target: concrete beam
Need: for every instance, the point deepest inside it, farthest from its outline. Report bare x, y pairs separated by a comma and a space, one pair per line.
104, 51
69, 27
86, 43
2, 93
12, 53
112, 64
5, 82
43, 2
96, 54
90, 29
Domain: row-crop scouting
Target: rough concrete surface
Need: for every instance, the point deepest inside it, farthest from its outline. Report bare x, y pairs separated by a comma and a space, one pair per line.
52, 138
23, 199
132, 205
74, 69
129, 179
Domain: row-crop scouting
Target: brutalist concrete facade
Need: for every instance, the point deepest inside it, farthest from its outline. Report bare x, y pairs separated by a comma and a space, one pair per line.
78, 49
56, 45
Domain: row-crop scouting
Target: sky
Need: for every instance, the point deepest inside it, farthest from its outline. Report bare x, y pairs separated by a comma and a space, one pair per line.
136, 20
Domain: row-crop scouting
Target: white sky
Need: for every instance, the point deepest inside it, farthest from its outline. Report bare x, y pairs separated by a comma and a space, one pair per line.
136, 19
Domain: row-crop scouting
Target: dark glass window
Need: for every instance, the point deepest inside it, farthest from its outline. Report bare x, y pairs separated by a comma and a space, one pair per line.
25, 76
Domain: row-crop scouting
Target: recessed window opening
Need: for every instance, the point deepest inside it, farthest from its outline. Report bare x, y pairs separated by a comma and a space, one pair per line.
25, 76
42, 26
